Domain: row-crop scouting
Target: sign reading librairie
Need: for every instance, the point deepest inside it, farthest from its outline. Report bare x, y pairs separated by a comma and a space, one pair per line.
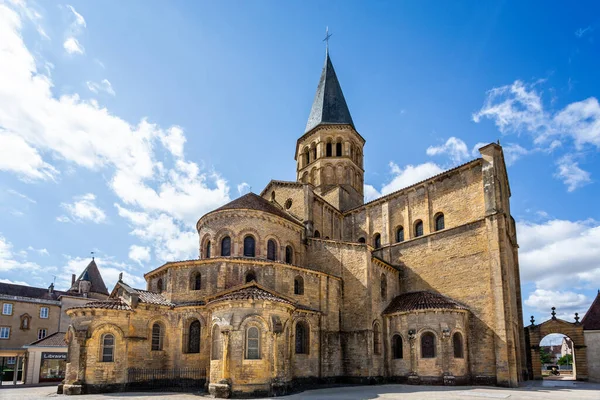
54, 356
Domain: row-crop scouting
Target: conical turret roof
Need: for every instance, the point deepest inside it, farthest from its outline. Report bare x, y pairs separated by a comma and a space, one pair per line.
91, 273
329, 106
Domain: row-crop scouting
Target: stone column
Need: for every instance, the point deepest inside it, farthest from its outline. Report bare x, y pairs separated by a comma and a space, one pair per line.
413, 377
225, 363
16, 373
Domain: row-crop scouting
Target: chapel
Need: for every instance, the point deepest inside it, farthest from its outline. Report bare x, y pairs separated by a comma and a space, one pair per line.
305, 283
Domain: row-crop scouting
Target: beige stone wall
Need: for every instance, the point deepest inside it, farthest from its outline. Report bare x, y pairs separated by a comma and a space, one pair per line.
326, 219
288, 191
592, 341
19, 337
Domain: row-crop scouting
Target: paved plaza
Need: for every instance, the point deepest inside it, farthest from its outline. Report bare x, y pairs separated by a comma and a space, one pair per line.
530, 390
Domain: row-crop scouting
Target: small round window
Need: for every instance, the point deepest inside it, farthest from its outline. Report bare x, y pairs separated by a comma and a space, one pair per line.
288, 204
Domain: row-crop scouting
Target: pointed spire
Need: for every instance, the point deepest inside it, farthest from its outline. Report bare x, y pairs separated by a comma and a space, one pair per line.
329, 106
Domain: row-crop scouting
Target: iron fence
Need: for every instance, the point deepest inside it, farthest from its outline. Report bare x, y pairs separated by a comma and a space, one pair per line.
176, 379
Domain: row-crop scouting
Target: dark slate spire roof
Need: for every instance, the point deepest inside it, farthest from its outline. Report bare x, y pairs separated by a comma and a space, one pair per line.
91, 273
329, 106
251, 201
591, 319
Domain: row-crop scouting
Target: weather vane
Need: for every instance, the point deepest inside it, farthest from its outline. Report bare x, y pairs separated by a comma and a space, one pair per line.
326, 40
92, 255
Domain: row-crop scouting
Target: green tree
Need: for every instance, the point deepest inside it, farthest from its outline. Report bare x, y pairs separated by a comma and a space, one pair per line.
567, 359
545, 356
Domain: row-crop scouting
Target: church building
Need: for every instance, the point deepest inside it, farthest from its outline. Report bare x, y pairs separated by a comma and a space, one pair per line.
305, 283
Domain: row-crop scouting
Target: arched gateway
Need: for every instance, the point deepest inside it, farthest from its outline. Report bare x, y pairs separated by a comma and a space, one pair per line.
574, 330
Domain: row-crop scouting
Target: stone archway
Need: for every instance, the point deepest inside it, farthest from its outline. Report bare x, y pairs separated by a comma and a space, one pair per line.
574, 330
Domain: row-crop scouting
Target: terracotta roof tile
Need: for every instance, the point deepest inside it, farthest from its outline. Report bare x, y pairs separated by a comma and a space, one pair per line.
57, 339
422, 301
591, 319
252, 292
146, 296
111, 304
253, 201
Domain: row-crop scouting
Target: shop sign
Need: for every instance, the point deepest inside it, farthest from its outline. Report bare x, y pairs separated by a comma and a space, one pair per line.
54, 356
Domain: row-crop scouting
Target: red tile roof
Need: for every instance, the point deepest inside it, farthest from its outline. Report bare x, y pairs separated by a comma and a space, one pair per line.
414, 301
252, 292
591, 319
110, 304
253, 201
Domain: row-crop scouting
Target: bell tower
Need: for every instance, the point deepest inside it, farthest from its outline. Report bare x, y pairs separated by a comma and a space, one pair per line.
330, 153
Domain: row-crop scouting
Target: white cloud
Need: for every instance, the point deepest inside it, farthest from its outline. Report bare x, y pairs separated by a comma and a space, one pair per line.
559, 253
102, 86
109, 269
21, 195
81, 134
83, 209
79, 20
243, 188
72, 46
569, 172
9, 260
566, 302
582, 31
139, 254
512, 152
454, 147
14, 282
42, 252
17, 156
403, 177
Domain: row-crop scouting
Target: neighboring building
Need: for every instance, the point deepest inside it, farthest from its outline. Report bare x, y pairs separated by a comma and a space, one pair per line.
591, 334
566, 347
30, 314
305, 283
554, 351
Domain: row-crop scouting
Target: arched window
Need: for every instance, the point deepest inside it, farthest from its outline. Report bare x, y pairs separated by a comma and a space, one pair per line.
427, 345
418, 228
226, 246
271, 250
157, 342
249, 250
298, 285
196, 281
317, 234
400, 234
193, 341
216, 343
302, 338
207, 250
383, 287
439, 222
328, 150
458, 345
338, 149
159, 285
376, 339
108, 348
314, 153
377, 241
397, 346
289, 254
250, 276
361, 240
252, 343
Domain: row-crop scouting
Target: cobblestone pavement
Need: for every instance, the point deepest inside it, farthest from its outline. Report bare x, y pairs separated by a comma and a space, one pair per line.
530, 390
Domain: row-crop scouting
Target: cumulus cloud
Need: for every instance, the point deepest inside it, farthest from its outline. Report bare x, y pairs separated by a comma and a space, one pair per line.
243, 188
170, 194
103, 86
11, 260
567, 303
83, 209
14, 282
518, 108
18, 156
72, 46
571, 174
454, 148
403, 177
139, 254
559, 253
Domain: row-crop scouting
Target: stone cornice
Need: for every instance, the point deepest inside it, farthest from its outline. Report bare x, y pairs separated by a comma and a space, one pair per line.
244, 213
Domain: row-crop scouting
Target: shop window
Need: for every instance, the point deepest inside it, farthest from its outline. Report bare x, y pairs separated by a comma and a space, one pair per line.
52, 367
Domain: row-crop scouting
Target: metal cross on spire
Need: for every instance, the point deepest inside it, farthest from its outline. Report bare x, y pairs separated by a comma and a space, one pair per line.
326, 40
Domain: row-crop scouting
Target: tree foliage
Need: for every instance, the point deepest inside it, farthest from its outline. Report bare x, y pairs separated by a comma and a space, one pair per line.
567, 359
545, 357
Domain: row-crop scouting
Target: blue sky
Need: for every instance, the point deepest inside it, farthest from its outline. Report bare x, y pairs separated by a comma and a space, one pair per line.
121, 123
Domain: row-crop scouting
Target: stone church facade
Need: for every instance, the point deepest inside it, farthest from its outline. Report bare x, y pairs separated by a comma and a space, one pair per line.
306, 283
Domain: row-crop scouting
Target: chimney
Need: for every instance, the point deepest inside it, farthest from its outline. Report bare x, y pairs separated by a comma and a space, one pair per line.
72, 279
